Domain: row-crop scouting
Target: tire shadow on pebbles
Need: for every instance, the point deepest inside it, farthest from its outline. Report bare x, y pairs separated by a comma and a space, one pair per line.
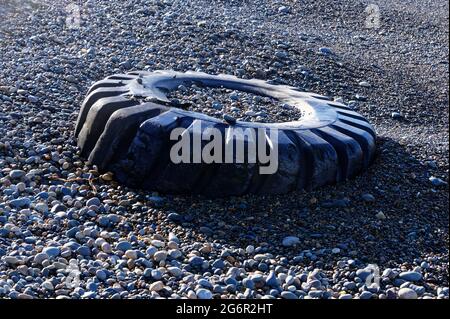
390, 212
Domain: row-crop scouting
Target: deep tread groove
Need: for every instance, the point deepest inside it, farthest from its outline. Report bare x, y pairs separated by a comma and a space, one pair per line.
363, 141
341, 155
352, 115
90, 100
106, 84
306, 171
359, 124
349, 158
89, 135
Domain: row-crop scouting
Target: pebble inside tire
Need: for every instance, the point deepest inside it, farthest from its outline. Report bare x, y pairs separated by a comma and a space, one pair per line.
330, 143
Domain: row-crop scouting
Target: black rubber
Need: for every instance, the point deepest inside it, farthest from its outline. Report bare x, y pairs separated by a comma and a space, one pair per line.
331, 143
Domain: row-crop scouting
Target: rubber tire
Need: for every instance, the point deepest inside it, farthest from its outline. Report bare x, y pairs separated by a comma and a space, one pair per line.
331, 144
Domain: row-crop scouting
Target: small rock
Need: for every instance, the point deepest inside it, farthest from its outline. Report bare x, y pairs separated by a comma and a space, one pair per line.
396, 115
272, 280
411, 276
51, 251
288, 295
407, 293
40, 257
160, 256
437, 181
123, 246
107, 176
204, 294
229, 119
336, 250
368, 198
196, 261
47, 285
380, 216
131, 254
326, 51
32, 99
364, 84
156, 286
365, 295
106, 247
290, 241
175, 217
94, 201
101, 274
20, 202
16, 174
175, 271
11, 260
283, 9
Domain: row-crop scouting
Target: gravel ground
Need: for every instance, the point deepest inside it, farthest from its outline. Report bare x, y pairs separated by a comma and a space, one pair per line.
221, 102
68, 232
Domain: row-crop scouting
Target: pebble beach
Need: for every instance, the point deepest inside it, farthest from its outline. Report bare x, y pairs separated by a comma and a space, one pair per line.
68, 231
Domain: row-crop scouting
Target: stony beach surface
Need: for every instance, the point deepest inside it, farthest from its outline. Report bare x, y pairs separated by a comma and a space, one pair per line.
242, 106
68, 231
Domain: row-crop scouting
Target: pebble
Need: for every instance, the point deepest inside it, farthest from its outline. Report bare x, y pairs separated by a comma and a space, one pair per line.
106, 247
160, 256
196, 261
123, 246
84, 251
229, 119
290, 241
364, 84
410, 276
283, 9
288, 295
396, 115
326, 51
20, 202
365, 295
51, 251
101, 274
40, 258
32, 99
11, 260
94, 201
131, 254
368, 198
407, 293
175, 271
157, 286
62, 217
437, 181
16, 174
272, 280
204, 294
380, 216
47, 285
336, 250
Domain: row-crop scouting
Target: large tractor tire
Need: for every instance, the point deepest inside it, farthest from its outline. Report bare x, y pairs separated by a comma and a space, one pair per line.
118, 132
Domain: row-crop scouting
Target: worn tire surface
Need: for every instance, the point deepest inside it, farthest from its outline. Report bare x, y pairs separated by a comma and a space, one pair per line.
331, 143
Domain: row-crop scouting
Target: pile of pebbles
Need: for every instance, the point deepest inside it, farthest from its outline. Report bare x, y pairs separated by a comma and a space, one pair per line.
69, 231
242, 106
